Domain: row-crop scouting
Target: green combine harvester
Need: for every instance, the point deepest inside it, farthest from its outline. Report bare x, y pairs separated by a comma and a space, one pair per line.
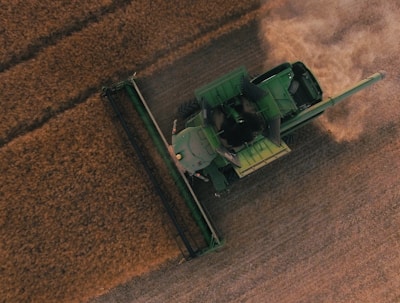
235, 126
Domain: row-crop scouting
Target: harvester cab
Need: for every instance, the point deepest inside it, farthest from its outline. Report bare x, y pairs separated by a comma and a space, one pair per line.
236, 125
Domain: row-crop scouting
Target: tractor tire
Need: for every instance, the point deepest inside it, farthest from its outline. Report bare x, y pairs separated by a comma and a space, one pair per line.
188, 109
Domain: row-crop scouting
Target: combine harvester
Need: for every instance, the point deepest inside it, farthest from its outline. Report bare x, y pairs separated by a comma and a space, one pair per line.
235, 126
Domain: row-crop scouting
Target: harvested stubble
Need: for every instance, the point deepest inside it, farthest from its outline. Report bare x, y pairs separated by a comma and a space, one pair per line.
65, 74
77, 213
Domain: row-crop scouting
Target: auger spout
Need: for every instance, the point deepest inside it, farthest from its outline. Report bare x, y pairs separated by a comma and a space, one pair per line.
313, 111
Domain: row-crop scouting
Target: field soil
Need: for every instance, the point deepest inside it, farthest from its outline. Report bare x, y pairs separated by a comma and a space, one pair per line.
79, 221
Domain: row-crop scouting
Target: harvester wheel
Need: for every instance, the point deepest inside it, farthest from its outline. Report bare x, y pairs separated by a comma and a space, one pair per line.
188, 109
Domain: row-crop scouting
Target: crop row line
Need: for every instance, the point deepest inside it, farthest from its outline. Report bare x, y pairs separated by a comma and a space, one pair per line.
42, 42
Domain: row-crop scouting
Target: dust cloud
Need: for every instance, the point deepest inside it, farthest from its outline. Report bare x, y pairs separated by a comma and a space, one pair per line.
342, 42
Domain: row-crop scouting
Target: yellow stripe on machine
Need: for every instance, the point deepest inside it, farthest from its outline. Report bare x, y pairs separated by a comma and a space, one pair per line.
259, 154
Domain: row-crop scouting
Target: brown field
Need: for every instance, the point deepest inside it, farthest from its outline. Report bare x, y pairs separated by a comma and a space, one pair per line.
79, 221
29, 26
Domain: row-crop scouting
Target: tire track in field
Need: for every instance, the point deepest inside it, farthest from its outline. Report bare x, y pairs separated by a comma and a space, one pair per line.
47, 104
27, 50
